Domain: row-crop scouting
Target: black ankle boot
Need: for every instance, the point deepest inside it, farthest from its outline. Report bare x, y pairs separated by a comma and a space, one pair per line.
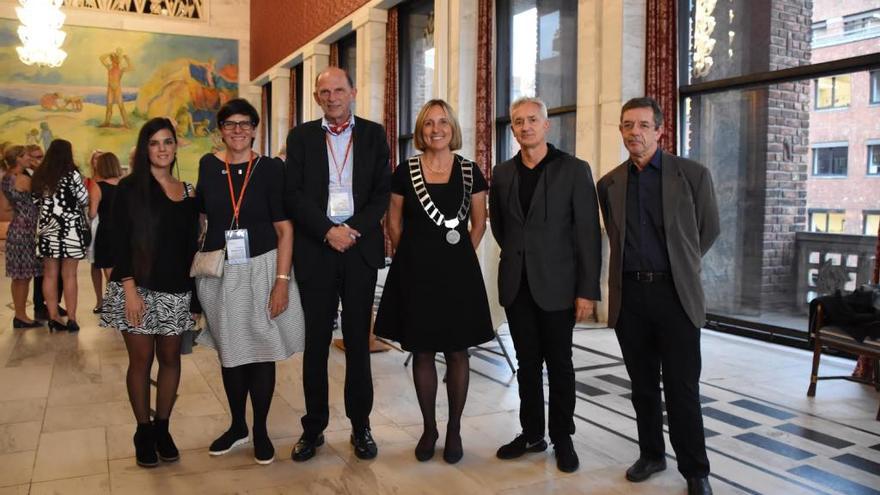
145, 445
164, 443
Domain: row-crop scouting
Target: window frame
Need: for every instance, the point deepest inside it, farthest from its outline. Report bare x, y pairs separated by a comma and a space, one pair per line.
345, 45
832, 106
865, 215
300, 96
874, 87
503, 30
405, 123
827, 212
871, 144
828, 146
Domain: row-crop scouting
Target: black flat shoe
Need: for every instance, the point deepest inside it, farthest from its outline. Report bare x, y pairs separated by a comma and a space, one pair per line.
72, 326
699, 486
643, 468
306, 448
364, 446
56, 326
16, 323
426, 445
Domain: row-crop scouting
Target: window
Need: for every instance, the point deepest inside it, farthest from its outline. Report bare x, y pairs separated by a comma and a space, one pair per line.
874, 159
820, 30
301, 100
833, 92
537, 46
870, 222
348, 55
828, 221
875, 86
416, 70
830, 160
862, 22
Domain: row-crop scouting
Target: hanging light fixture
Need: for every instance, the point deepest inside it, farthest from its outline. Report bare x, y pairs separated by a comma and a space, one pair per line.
41, 33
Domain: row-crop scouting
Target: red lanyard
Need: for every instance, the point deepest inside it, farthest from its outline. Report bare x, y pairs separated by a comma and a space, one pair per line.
236, 205
339, 171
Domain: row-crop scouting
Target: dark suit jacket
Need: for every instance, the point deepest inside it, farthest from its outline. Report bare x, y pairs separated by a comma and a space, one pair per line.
307, 192
690, 219
558, 241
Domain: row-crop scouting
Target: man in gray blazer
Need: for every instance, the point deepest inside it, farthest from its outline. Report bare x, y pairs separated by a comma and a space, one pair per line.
661, 216
545, 217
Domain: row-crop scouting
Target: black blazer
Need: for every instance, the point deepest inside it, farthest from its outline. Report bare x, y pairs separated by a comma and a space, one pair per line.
558, 241
306, 194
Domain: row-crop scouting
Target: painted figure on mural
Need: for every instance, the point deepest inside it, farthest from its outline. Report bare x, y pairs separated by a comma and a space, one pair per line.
117, 64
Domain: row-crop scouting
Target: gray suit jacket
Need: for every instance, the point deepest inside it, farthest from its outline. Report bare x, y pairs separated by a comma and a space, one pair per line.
558, 241
690, 219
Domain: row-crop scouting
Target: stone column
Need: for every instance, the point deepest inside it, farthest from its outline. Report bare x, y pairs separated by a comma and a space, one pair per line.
316, 57
369, 24
442, 21
279, 78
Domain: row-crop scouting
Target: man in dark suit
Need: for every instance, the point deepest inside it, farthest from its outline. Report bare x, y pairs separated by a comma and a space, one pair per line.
661, 216
545, 217
338, 187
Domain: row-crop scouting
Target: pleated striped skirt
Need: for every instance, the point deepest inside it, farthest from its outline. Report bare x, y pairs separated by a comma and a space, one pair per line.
236, 308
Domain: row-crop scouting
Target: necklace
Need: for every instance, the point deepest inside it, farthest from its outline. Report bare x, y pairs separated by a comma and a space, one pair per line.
442, 170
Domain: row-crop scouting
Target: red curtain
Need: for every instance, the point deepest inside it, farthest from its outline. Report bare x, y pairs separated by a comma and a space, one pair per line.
264, 111
660, 66
291, 113
390, 110
485, 82
334, 55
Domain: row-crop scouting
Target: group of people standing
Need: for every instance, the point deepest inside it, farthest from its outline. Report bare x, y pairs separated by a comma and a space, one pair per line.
279, 292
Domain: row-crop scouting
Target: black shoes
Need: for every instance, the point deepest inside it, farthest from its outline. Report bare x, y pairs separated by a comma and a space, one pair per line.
145, 446
452, 451
164, 443
72, 326
699, 486
520, 446
57, 326
643, 468
228, 441
16, 323
364, 445
566, 458
264, 451
425, 447
306, 448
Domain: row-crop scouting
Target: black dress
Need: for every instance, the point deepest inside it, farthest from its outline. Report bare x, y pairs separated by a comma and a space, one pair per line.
104, 234
434, 298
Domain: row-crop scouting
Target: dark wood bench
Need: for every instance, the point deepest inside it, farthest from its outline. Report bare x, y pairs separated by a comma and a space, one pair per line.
829, 336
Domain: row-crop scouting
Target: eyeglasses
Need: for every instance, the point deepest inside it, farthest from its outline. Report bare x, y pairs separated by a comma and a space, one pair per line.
244, 125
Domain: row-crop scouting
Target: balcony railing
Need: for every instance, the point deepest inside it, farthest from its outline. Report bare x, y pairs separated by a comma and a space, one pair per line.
826, 261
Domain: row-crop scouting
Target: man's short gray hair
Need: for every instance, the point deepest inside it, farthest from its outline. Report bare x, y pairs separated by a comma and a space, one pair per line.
522, 100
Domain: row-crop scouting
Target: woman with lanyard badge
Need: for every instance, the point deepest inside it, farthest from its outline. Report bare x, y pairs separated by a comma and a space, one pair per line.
253, 311
434, 298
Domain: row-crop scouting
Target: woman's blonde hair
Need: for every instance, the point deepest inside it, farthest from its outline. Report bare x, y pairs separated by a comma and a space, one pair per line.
419, 142
11, 154
107, 166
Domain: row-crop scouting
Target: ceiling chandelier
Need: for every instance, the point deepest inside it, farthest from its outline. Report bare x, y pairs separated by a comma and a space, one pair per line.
41, 33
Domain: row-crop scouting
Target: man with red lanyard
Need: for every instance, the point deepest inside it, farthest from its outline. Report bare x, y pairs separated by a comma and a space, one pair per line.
338, 188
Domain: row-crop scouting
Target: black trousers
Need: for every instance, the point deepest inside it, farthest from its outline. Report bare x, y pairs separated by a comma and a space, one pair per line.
542, 337
654, 332
349, 278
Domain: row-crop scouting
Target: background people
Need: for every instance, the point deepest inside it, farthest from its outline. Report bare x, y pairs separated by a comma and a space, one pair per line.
101, 197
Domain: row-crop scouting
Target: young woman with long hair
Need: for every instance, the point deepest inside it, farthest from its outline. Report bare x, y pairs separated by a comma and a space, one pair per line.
150, 296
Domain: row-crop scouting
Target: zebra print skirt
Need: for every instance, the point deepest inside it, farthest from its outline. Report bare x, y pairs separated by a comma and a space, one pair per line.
166, 314
237, 317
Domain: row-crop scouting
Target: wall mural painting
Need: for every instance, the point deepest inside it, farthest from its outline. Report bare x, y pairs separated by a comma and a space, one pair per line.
111, 83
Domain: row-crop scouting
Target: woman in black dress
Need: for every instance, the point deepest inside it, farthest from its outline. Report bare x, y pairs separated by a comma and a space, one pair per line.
434, 298
101, 195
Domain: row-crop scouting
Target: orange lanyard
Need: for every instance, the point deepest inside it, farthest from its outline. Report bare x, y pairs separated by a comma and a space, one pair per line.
339, 171
236, 205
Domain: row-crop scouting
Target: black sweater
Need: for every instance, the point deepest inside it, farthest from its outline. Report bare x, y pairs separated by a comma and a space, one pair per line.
175, 241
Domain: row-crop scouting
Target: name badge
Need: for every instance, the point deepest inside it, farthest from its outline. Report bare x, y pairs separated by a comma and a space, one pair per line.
341, 204
237, 249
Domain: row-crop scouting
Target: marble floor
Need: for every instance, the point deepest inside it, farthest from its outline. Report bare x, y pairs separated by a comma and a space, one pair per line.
66, 425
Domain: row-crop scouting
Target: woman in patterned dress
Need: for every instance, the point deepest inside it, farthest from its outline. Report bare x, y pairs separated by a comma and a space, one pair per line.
150, 297
62, 229
22, 263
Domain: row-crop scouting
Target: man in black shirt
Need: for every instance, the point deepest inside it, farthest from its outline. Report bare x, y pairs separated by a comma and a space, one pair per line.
545, 217
661, 216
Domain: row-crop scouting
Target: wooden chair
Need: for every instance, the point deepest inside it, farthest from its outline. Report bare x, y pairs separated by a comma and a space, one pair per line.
829, 336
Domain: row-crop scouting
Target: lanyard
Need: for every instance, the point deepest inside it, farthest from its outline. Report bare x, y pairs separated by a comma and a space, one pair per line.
339, 171
236, 205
